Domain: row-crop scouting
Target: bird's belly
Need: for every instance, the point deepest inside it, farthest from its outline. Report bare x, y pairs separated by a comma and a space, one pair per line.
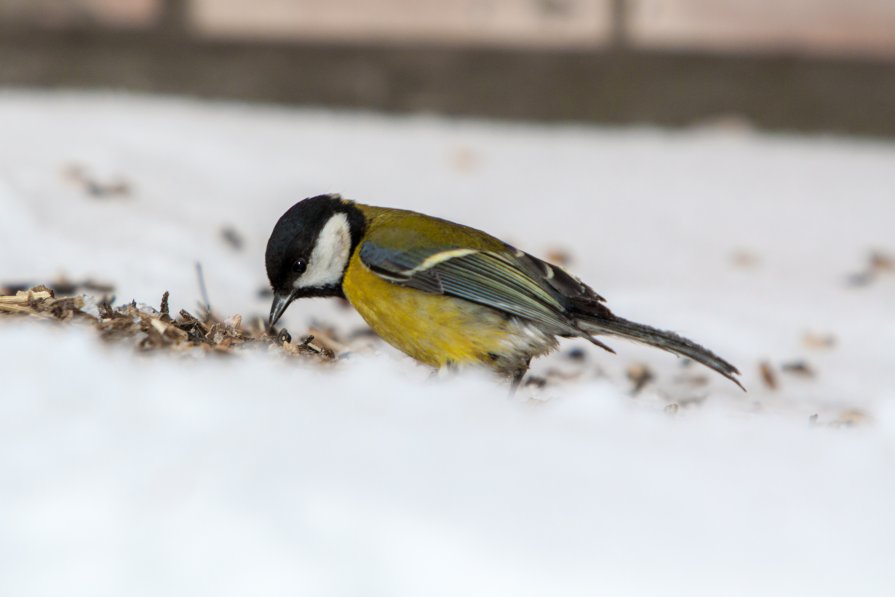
440, 330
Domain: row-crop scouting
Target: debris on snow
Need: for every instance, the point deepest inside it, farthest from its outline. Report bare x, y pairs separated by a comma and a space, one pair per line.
818, 341
95, 188
767, 375
639, 374
153, 330
799, 368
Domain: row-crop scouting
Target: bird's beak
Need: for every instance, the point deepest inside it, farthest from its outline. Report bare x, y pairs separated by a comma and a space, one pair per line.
281, 300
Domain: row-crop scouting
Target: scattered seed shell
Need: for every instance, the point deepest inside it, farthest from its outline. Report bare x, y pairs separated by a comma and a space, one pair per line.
800, 368
558, 257
640, 375
767, 375
851, 418
818, 341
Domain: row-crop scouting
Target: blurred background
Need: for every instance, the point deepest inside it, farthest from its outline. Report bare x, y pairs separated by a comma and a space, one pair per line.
805, 65
723, 168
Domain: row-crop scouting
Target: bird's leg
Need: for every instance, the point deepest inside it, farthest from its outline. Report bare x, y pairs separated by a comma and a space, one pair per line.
518, 375
448, 369
516, 382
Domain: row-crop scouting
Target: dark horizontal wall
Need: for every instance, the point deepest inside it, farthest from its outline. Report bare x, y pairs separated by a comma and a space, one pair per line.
854, 96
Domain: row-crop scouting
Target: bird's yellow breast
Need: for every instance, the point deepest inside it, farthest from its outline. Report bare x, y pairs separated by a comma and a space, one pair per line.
435, 329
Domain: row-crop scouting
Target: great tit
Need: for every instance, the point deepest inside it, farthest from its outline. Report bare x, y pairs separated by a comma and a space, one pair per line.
443, 293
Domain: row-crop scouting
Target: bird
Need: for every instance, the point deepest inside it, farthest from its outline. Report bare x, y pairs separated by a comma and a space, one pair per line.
445, 294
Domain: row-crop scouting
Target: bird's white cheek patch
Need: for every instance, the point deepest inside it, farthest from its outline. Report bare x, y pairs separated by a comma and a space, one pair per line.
330, 255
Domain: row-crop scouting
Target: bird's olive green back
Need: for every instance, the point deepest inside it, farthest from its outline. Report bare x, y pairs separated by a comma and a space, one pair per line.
408, 230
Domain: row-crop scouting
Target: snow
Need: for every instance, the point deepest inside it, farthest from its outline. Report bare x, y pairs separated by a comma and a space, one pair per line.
128, 474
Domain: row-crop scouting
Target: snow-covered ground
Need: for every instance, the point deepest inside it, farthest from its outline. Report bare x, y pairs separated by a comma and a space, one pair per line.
124, 474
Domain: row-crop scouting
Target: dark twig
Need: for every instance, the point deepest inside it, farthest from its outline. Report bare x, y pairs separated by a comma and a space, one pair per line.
203, 291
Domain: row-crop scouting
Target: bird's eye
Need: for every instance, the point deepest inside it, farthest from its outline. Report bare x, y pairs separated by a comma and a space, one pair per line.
299, 266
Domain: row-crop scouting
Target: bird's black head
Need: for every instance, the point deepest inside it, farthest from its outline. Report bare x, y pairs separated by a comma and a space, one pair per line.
309, 249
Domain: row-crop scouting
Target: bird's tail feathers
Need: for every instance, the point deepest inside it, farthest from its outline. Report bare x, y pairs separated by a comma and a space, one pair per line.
668, 341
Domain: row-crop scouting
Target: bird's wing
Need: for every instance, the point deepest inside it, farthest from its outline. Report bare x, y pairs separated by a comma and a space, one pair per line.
500, 280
